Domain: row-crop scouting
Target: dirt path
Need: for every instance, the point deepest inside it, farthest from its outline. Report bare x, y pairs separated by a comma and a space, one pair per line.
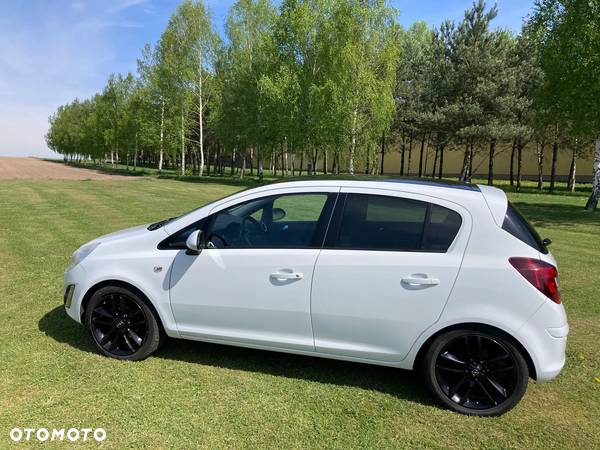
33, 168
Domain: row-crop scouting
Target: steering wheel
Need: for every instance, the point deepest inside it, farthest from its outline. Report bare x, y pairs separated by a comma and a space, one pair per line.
245, 229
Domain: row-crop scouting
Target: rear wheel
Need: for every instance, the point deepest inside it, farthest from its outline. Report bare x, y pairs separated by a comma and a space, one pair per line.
121, 324
476, 373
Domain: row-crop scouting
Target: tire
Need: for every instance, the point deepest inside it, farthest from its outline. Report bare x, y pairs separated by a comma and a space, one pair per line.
475, 372
121, 324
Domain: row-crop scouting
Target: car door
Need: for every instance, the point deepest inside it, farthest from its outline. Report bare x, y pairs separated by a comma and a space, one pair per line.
388, 266
251, 285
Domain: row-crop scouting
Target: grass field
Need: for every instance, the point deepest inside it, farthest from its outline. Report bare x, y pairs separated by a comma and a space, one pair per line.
200, 395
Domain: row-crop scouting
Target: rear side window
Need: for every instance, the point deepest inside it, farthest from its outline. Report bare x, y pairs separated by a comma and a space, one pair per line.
376, 222
519, 227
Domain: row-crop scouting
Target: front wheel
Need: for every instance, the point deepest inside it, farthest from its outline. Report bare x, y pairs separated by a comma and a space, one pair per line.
476, 373
121, 324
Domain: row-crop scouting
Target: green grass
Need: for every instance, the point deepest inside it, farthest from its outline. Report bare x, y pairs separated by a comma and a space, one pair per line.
200, 395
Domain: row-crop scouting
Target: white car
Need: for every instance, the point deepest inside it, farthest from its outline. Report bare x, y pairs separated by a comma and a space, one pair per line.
446, 278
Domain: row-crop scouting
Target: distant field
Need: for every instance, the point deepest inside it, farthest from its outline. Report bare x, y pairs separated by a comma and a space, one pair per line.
194, 395
38, 169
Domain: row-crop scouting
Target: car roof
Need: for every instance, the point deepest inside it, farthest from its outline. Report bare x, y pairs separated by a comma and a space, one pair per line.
382, 183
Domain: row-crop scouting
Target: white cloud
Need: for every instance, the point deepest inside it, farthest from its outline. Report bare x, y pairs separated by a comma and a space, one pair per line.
120, 5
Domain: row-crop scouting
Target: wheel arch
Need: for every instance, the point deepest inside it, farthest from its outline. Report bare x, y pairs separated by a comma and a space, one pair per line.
122, 284
475, 326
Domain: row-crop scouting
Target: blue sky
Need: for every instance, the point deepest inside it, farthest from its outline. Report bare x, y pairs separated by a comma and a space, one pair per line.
54, 51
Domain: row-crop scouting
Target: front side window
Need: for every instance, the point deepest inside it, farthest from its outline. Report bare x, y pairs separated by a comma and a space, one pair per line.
376, 222
284, 221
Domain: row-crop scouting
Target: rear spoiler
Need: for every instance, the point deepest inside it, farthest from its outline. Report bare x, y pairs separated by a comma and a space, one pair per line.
496, 201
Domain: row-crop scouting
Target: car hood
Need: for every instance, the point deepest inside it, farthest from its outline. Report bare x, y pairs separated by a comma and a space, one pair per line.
124, 234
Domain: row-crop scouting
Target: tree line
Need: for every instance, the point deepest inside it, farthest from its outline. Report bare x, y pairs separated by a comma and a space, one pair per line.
336, 85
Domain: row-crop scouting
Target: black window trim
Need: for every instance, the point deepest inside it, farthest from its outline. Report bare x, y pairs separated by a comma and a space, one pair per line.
540, 246
334, 229
320, 234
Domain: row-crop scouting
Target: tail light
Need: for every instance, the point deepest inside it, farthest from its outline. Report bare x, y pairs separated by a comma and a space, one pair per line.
540, 274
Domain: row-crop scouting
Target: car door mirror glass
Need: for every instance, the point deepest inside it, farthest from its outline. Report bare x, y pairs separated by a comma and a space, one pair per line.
278, 214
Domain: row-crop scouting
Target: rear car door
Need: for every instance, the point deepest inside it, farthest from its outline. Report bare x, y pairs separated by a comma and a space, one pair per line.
387, 268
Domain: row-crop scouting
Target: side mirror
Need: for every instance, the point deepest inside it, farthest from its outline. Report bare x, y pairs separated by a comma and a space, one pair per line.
195, 242
278, 214
546, 242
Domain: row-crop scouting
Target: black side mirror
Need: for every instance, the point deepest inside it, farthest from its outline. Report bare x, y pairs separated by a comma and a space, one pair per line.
278, 214
547, 242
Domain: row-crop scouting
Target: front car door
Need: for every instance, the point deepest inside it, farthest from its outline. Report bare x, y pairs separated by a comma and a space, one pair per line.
387, 268
251, 285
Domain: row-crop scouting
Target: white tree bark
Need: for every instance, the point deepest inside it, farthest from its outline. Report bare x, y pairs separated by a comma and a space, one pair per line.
353, 143
162, 135
593, 200
182, 143
135, 154
200, 113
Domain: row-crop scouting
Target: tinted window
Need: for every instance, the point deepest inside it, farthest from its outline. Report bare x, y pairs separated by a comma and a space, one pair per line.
287, 221
441, 229
519, 227
375, 222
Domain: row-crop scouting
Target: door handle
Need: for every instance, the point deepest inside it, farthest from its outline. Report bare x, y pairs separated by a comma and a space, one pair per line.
287, 275
426, 281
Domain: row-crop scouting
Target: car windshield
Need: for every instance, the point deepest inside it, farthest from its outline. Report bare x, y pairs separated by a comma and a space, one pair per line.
161, 223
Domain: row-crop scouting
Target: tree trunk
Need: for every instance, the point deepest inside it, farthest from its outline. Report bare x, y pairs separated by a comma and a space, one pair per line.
135, 154
573, 170
301, 163
519, 164
232, 162
402, 152
353, 143
470, 164
465, 165
200, 118
421, 167
325, 168
382, 151
208, 162
250, 161
441, 168
512, 162
410, 144
540, 163
243, 166
592, 202
435, 160
491, 163
182, 142
554, 158
162, 136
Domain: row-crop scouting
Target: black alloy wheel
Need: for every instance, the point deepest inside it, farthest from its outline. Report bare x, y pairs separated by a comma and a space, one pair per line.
121, 324
476, 373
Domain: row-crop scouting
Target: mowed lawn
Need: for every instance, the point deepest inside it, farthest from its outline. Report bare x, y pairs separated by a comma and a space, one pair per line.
193, 394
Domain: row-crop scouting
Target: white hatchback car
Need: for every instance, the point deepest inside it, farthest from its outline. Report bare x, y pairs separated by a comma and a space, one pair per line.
447, 278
